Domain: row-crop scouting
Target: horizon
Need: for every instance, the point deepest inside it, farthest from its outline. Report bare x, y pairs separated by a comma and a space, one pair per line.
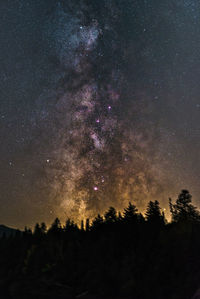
166, 213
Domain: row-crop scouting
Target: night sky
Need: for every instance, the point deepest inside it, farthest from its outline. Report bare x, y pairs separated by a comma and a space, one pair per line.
99, 105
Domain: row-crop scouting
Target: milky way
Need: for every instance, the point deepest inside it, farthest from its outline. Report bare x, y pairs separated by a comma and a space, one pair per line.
98, 158
95, 112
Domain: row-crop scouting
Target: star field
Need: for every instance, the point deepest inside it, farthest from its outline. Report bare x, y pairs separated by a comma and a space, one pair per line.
99, 105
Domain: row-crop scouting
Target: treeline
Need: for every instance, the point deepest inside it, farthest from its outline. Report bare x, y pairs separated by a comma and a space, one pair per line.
117, 255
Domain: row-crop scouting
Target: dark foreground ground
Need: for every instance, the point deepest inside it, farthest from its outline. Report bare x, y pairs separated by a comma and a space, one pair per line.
126, 256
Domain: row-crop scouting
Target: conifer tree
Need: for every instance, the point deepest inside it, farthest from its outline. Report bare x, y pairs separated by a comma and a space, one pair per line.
153, 213
183, 210
130, 213
110, 215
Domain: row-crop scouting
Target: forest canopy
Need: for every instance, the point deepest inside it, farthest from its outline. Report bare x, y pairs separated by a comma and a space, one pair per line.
115, 255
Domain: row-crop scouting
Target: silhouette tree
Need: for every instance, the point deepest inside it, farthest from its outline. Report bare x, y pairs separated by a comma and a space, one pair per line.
43, 228
153, 213
87, 226
111, 215
183, 210
70, 225
55, 227
130, 213
27, 231
37, 228
37, 231
97, 222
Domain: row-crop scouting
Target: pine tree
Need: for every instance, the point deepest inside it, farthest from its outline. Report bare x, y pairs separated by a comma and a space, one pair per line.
55, 227
130, 213
110, 215
183, 210
153, 213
